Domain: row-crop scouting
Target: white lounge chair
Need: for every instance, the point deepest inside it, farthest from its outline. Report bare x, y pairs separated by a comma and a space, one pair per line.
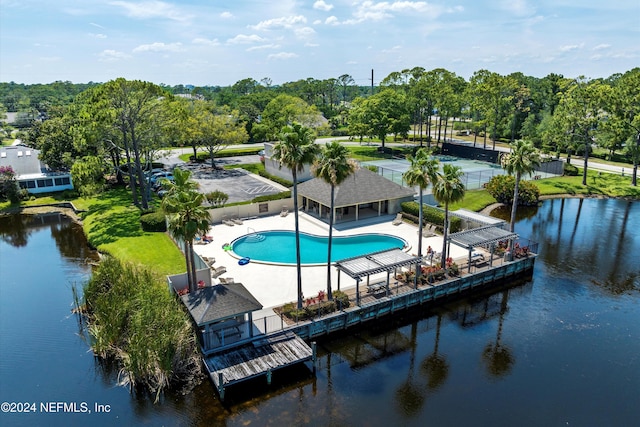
398, 219
218, 272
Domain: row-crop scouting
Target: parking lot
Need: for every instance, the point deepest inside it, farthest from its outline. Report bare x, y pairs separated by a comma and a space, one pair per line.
239, 184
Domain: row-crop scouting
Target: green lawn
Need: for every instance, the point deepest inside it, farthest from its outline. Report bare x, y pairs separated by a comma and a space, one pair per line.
112, 225
604, 184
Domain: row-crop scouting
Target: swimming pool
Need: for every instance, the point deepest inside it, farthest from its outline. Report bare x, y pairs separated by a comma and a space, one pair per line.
279, 246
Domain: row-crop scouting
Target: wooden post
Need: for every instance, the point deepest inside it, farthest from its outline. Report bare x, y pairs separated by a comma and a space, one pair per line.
314, 355
269, 377
220, 386
358, 291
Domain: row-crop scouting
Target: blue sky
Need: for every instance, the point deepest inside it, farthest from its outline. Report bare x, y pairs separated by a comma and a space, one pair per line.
215, 42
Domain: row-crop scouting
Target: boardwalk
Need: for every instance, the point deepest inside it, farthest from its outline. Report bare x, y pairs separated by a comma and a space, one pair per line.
260, 357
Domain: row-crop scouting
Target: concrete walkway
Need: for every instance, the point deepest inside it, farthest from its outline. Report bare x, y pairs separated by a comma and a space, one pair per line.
274, 285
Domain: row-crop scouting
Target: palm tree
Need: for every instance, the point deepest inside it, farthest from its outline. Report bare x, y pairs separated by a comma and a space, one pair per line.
333, 166
295, 149
422, 171
447, 189
187, 217
523, 159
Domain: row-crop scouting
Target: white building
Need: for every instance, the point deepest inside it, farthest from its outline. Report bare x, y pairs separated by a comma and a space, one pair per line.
31, 173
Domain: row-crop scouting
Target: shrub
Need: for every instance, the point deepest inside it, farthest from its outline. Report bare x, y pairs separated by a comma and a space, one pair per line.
429, 215
134, 319
277, 196
217, 198
9, 189
570, 170
153, 221
501, 188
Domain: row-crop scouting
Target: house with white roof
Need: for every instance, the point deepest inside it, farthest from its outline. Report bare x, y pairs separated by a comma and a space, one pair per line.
31, 173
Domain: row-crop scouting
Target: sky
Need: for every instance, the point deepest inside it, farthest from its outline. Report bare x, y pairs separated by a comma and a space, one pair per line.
217, 43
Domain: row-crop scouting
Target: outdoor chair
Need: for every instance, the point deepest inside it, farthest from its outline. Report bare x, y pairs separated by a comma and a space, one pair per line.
218, 272
398, 219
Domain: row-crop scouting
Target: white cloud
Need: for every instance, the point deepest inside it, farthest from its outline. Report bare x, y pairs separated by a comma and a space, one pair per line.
282, 55
110, 55
152, 9
97, 36
570, 47
159, 47
206, 42
284, 22
602, 46
518, 7
321, 5
245, 39
262, 47
304, 32
332, 20
377, 11
96, 25
226, 15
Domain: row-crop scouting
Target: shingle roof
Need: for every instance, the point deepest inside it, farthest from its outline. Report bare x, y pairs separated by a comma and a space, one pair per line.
219, 302
364, 186
23, 160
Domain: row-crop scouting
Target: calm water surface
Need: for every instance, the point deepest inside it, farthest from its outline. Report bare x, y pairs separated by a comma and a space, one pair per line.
560, 349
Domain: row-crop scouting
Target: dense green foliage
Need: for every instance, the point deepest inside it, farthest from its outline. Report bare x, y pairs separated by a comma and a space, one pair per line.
570, 170
9, 189
136, 321
501, 188
217, 198
154, 221
430, 215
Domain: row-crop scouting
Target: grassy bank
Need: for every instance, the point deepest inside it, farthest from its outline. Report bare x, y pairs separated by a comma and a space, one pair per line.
598, 185
112, 225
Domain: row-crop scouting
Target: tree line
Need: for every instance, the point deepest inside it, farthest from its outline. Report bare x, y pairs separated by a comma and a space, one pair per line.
119, 126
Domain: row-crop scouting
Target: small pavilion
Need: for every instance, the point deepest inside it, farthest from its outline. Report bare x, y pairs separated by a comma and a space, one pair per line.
377, 262
222, 314
364, 194
487, 237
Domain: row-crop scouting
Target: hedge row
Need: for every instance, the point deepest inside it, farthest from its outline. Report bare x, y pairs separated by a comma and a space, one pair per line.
153, 221
430, 215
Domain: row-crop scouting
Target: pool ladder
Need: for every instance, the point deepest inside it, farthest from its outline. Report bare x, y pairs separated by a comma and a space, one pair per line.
253, 236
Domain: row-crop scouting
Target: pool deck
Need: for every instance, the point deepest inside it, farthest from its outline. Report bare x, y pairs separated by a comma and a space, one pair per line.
274, 285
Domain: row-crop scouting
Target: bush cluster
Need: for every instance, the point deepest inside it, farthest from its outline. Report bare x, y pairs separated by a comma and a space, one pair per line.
277, 196
217, 198
501, 188
153, 221
134, 319
310, 311
430, 215
570, 170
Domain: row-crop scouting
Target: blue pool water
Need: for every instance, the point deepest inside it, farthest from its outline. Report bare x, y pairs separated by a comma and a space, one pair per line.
279, 246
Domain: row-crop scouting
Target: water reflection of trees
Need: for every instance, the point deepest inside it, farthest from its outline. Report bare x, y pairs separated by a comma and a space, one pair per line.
435, 367
498, 357
600, 245
15, 230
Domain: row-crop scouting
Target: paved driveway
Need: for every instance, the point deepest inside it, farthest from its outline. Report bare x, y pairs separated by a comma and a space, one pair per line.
239, 184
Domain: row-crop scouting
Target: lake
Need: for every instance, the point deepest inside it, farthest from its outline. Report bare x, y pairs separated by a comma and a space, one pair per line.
562, 348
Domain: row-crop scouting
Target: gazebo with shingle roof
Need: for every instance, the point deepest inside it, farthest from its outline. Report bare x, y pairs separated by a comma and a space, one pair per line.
365, 193
220, 310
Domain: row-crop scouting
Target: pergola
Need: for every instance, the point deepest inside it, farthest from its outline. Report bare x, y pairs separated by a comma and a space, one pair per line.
377, 262
483, 236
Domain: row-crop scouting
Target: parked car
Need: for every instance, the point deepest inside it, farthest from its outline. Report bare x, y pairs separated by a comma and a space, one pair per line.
164, 174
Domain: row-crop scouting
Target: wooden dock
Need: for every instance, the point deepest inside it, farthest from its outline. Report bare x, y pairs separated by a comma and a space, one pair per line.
257, 358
